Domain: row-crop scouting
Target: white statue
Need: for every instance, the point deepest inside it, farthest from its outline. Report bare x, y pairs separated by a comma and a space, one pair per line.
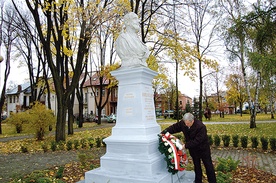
132, 51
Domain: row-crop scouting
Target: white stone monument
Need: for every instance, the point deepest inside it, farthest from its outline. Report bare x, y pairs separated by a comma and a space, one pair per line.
132, 154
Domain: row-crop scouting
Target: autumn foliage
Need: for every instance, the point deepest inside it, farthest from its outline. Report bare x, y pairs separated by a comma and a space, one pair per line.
37, 119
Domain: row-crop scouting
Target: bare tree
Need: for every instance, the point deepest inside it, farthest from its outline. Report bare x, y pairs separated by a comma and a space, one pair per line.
55, 34
28, 46
203, 19
235, 39
8, 35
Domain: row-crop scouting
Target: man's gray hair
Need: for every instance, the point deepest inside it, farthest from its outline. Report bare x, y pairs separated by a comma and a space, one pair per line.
188, 117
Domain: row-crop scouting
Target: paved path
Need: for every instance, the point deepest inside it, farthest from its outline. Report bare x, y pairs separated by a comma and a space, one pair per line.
261, 160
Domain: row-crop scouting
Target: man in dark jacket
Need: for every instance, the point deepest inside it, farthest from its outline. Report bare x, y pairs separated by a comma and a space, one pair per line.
196, 139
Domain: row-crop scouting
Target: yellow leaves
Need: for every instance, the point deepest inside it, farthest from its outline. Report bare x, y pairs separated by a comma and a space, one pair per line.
71, 74
51, 173
47, 6
152, 63
65, 178
122, 6
67, 52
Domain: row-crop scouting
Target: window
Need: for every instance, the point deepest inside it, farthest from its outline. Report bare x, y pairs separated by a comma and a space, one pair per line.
97, 92
180, 102
103, 92
85, 98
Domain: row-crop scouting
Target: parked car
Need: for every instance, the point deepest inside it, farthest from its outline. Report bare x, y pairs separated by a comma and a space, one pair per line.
104, 118
86, 117
112, 118
168, 113
158, 113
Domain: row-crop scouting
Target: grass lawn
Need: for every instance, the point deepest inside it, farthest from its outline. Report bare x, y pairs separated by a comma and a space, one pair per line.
265, 129
229, 118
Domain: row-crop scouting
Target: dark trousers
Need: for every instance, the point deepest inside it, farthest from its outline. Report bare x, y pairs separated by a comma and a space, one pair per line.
207, 161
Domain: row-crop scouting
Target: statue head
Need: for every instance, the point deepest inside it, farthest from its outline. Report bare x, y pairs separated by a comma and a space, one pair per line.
131, 21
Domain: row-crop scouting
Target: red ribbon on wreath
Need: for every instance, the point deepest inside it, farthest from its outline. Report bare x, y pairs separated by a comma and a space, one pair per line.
180, 157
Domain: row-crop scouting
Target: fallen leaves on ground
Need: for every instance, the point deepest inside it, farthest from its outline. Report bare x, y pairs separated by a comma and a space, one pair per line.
245, 174
75, 172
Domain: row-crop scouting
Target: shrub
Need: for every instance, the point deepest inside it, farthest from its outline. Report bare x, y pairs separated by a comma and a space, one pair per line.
40, 120
235, 140
24, 149
264, 142
211, 141
255, 142
53, 145
91, 142
227, 165
272, 142
216, 140
69, 145
244, 141
85, 159
98, 142
44, 147
59, 173
224, 169
61, 145
37, 176
76, 144
84, 143
18, 119
226, 140
224, 177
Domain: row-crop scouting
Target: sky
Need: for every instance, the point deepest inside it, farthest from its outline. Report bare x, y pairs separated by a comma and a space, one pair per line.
19, 75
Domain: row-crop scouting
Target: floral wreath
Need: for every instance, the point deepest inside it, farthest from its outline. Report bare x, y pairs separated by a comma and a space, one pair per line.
175, 154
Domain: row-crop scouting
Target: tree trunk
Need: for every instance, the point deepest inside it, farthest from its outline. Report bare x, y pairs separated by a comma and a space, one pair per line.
200, 87
240, 109
70, 116
253, 115
81, 120
99, 115
61, 121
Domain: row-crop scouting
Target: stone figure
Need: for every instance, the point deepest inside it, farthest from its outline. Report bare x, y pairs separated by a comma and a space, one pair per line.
132, 51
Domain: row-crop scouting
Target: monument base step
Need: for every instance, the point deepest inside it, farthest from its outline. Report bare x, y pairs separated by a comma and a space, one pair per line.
99, 176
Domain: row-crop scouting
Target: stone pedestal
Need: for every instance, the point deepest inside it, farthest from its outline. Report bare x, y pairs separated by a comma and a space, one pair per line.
132, 154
